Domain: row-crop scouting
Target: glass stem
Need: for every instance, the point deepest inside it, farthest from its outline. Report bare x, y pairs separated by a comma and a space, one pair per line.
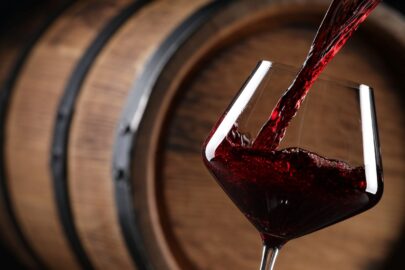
268, 260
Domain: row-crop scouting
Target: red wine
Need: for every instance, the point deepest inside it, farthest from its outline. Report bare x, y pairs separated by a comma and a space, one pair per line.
341, 20
292, 192
288, 193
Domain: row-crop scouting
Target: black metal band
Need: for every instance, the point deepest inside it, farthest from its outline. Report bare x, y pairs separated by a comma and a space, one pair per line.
62, 127
127, 129
5, 96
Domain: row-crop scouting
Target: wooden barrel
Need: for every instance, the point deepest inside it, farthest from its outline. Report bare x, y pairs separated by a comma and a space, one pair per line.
105, 122
20, 28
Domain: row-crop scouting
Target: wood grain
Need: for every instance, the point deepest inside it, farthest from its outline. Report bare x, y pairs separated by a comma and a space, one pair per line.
99, 106
17, 32
16, 35
203, 228
30, 123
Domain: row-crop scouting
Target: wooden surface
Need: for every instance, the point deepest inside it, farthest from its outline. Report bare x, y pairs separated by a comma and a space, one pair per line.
203, 228
17, 32
15, 36
98, 109
31, 117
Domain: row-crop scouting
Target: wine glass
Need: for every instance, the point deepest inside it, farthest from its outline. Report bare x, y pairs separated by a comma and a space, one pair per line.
327, 167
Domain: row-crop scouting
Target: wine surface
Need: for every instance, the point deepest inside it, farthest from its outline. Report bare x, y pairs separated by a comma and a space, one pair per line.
341, 20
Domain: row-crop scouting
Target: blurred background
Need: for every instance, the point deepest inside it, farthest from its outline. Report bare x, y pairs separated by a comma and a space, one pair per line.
19, 15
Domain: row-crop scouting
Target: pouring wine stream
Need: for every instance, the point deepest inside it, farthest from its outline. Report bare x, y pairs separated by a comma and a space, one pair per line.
340, 22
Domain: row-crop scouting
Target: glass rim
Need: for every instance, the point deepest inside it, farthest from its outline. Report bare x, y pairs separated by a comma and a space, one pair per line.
322, 77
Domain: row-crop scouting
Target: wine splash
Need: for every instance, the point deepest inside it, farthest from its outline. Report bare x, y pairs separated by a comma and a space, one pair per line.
289, 193
341, 20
